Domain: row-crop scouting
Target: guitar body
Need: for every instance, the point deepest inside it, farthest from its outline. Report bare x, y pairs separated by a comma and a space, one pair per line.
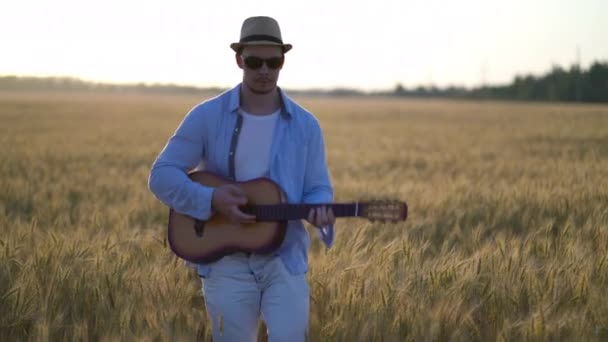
207, 241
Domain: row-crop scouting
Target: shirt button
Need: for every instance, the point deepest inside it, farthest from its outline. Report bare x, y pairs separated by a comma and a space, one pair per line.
231, 153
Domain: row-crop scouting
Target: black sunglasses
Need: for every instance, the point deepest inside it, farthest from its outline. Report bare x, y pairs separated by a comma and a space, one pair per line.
254, 63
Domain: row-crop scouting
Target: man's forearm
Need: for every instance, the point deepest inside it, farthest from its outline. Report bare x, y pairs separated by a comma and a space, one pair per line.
175, 189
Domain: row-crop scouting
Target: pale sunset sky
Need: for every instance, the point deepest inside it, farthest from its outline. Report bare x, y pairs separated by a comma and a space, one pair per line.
368, 45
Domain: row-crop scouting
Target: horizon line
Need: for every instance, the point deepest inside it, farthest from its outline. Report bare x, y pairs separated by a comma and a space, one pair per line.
212, 87
430, 85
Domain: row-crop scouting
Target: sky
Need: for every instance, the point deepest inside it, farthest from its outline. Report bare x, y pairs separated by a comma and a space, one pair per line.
367, 45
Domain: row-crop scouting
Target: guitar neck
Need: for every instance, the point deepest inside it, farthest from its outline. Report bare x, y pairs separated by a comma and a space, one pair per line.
279, 212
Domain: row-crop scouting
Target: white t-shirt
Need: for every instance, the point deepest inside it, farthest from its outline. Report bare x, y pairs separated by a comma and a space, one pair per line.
252, 155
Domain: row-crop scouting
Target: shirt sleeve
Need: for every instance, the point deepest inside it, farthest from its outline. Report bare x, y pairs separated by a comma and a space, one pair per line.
326, 234
168, 179
317, 183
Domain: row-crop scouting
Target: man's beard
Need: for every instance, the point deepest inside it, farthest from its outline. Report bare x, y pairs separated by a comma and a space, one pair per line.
260, 92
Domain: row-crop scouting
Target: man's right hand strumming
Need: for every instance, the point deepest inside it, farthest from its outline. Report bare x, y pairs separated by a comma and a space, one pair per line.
227, 199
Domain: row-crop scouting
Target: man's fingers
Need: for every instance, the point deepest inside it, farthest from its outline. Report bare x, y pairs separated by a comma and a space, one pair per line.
241, 216
330, 216
238, 200
311, 216
236, 195
236, 191
321, 216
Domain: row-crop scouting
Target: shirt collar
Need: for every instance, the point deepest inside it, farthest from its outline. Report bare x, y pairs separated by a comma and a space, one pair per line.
235, 102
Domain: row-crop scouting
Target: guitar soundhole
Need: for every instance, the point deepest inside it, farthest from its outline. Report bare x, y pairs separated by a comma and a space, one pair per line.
199, 227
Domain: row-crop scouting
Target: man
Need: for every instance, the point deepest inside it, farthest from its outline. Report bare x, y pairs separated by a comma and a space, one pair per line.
253, 130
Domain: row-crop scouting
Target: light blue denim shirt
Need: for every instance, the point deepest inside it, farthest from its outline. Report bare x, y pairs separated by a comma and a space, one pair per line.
209, 134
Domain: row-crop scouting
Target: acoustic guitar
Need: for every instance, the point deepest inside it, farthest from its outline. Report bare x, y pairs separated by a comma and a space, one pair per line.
206, 241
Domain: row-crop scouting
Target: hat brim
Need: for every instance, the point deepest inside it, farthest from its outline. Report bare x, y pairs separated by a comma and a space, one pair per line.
237, 46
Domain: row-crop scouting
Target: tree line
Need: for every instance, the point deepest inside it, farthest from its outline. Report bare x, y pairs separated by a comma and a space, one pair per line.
572, 85
29, 83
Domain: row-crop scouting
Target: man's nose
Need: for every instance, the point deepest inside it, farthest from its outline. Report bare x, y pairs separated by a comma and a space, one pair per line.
264, 69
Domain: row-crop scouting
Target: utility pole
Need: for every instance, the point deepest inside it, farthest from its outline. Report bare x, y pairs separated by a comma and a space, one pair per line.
579, 73
484, 71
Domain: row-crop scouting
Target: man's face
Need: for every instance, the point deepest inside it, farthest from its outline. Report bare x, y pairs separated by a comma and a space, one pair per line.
261, 76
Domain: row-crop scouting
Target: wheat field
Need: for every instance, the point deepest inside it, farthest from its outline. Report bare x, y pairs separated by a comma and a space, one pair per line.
507, 238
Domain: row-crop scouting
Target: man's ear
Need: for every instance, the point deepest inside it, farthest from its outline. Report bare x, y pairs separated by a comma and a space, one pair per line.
239, 60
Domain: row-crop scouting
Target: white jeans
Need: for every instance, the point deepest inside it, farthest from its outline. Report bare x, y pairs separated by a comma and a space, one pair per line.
239, 288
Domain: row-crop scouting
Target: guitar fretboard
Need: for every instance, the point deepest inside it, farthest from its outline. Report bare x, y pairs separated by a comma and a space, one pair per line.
279, 212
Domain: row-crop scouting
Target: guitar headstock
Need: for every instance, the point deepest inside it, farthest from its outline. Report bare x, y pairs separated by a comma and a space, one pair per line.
383, 211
